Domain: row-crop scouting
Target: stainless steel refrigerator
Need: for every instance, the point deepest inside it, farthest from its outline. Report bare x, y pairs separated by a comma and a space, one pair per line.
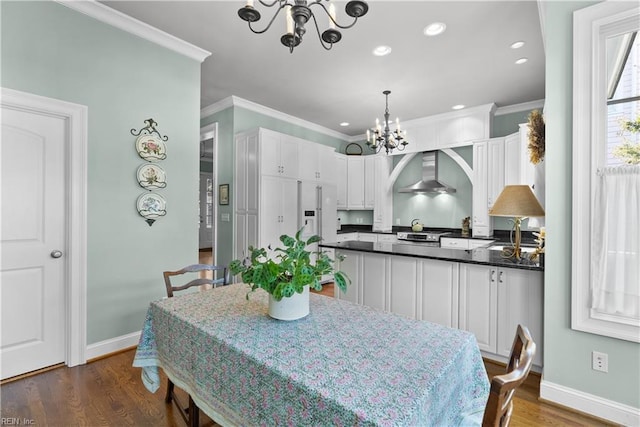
318, 213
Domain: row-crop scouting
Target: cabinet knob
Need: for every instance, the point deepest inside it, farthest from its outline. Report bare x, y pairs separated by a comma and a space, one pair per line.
56, 253
493, 276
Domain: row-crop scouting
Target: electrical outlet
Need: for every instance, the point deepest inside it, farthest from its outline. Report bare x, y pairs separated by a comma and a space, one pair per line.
397, 221
600, 361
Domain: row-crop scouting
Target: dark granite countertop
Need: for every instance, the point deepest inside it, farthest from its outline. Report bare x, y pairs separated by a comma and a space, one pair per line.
482, 256
500, 236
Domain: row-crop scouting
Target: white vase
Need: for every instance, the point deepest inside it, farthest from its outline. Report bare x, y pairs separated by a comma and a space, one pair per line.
292, 308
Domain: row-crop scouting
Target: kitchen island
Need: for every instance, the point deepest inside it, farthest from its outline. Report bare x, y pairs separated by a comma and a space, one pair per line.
475, 290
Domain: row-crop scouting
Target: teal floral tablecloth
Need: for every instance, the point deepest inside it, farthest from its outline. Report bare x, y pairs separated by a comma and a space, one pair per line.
343, 365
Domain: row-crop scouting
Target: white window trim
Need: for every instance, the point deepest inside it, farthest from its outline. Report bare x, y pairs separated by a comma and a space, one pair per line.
592, 26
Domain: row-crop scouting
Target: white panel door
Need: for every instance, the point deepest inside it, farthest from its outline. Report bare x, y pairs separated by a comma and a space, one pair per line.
402, 283
355, 182
478, 304
440, 292
351, 265
520, 301
369, 181
374, 288
270, 153
495, 171
289, 156
308, 161
270, 212
482, 224
33, 244
341, 179
289, 207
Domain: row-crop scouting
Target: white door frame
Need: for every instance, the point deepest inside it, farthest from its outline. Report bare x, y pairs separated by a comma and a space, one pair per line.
75, 115
205, 133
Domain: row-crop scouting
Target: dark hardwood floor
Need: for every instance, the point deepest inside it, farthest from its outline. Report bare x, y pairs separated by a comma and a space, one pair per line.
109, 392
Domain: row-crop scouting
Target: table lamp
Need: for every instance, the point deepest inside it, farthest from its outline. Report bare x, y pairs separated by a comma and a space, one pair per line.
519, 202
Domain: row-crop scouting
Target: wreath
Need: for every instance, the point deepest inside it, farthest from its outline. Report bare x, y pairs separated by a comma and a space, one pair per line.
536, 137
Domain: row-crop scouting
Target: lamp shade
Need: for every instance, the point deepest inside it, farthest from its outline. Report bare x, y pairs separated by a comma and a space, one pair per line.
518, 201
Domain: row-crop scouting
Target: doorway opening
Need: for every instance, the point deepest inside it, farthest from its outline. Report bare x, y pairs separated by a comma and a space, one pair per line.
208, 191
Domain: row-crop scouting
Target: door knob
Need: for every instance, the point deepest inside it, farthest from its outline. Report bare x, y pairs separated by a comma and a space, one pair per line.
56, 254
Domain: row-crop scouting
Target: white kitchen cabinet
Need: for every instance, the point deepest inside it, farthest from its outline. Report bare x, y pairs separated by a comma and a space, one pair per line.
247, 197
496, 163
403, 286
478, 309
463, 243
316, 162
278, 154
373, 283
454, 243
439, 292
493, 301
351, 264
520, 301
367, 237
340, 165
355, 182
369, 181
278, 210
482, 224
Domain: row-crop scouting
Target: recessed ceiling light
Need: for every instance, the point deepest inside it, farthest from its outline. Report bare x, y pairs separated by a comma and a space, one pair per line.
521, 61
517, 45
457, 107
382, 51
344, 124
434, 29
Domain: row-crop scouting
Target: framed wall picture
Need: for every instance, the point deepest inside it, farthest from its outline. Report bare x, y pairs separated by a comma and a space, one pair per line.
223, 194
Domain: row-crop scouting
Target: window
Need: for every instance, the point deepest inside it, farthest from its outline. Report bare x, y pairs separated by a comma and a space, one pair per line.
606, 188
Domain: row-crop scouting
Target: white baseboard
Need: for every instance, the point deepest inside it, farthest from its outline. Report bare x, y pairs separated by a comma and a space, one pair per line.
112, 345
590, 404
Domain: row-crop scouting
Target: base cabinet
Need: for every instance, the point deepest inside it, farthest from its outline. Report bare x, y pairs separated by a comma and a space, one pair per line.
488, 301
493, 301
478, 304
520, 298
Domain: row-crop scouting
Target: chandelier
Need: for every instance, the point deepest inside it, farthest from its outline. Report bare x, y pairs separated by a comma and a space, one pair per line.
297, 14
377, 138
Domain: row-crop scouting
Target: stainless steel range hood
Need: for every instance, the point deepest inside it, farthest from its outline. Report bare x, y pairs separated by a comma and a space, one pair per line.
429, 182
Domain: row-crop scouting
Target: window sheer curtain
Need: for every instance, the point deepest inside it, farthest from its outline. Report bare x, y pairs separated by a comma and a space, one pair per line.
615, 252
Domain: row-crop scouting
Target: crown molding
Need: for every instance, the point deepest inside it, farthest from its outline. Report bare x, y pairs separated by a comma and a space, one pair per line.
133, 26
516, 108
235, 101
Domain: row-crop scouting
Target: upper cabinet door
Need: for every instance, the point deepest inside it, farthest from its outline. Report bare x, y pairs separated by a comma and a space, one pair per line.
308, 161
355, 180
278, 154
369, 181
341, 179
269, 153
289, 158
326, 165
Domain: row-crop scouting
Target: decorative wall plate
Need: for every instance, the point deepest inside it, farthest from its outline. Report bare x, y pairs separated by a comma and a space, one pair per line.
151, 176
151, 206
151, 148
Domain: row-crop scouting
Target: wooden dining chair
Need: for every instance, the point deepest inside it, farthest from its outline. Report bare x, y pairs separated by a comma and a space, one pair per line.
499, 406
191, 413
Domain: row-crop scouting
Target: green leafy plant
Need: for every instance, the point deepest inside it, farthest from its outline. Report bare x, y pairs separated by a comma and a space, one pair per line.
290, 271
628, 151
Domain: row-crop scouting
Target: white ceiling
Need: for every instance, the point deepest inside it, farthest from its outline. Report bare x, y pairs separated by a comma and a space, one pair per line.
471, 63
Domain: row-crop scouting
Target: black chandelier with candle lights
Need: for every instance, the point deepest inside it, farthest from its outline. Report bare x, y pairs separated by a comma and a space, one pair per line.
379, 137
297, 14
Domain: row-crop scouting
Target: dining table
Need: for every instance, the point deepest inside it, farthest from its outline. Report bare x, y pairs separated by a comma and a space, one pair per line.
343, 364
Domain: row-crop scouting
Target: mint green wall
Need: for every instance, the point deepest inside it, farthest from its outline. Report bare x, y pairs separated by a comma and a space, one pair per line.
506, 124
50, 50
434, 210
247, 119
567, 353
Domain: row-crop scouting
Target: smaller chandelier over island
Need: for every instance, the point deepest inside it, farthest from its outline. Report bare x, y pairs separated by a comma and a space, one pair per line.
378, 137
297, 13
